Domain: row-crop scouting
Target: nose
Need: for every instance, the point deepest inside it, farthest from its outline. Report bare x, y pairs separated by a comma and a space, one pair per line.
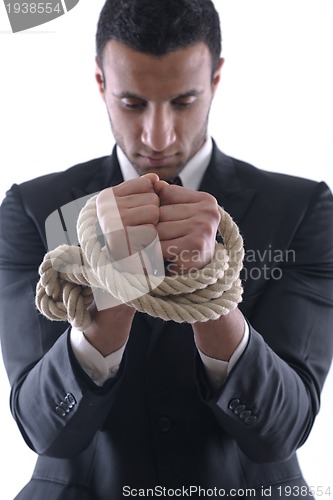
158, 131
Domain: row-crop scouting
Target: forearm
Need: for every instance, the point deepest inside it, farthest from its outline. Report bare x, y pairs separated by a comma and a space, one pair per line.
264, 404
39, 402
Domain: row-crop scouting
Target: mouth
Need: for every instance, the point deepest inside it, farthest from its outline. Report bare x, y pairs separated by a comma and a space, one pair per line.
158, 161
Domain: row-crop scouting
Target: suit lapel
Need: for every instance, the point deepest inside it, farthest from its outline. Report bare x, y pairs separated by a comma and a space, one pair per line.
108, 174
222, 181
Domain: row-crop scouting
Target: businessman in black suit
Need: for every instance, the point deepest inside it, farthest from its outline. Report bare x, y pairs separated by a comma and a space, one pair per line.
135, 406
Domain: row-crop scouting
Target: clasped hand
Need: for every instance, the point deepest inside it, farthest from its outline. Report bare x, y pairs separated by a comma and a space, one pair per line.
185, 221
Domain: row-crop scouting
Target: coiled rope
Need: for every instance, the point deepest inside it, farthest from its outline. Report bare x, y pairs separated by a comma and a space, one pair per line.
68, 273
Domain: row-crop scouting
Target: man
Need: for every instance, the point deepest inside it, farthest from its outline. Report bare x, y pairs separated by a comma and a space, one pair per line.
140, 407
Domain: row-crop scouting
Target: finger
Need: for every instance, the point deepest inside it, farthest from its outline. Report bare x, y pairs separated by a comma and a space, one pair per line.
137, 200
175, 249
169, 230
152, 176
136, 250
159, 185
129, 240
116, 211
142, 184
137, 216
140, 237
178, 212
187, 253
171, 194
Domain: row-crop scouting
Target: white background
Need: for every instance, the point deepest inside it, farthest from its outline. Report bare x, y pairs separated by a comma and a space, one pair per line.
274, 109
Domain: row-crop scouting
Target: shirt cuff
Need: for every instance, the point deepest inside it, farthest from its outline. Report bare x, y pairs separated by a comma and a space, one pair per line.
217, 370
96, 366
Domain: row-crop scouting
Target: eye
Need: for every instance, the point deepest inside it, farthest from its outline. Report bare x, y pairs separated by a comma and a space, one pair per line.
133, 103
184, 102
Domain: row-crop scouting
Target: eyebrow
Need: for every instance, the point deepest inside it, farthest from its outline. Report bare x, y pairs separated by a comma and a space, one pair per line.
130, 95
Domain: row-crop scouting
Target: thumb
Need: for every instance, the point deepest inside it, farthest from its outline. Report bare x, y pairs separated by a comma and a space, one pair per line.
153, 177
159, 185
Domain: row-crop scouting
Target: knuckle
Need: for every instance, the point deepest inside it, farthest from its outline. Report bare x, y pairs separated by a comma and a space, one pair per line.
146, 184
209, 215
209, 204
203, 227
208, 198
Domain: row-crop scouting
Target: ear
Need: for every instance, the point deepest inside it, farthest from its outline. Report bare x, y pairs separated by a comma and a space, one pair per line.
99, 75
217, 75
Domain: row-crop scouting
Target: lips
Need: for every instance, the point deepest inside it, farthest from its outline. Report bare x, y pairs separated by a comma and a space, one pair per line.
156, 161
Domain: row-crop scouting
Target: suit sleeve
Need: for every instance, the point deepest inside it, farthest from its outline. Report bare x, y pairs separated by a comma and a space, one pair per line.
271, 397
56, 406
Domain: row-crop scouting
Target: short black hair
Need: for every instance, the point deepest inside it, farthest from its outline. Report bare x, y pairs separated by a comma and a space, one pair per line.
159, 27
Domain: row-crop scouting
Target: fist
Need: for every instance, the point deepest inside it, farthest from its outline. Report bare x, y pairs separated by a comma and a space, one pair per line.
188, 221
128, 215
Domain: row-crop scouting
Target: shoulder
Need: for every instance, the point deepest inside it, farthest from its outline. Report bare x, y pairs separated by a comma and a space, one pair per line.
77, 176
288, 192
260, 198
46, 193
260, 178
274, 186
33, 201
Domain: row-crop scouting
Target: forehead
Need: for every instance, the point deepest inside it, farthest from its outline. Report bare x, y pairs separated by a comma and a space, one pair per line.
129, 70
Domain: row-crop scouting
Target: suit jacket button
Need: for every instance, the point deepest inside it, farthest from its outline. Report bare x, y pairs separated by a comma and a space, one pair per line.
234, 403
64, 406
70, 400
60, 411
250, 420
245, 414
164, 424
239, 409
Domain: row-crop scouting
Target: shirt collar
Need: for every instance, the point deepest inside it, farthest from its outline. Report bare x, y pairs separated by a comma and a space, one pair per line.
192, 173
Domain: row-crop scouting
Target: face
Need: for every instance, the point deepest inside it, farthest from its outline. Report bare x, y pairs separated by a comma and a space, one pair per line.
158, 106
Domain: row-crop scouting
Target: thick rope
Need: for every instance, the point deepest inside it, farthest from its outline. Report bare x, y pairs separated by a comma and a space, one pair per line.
68, 274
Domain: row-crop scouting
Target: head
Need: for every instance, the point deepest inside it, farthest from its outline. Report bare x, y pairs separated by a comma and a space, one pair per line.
158, 66
159, 27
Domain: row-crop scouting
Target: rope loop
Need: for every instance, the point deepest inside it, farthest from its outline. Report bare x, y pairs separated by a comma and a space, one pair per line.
69, 274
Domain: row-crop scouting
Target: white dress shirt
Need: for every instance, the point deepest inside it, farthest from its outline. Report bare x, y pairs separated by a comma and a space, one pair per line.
100, 368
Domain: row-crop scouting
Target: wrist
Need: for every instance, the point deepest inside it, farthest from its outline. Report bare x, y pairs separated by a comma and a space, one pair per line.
220, 338
110, 328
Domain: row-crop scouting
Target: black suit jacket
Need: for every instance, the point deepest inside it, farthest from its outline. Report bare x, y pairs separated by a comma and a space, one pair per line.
158, 423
